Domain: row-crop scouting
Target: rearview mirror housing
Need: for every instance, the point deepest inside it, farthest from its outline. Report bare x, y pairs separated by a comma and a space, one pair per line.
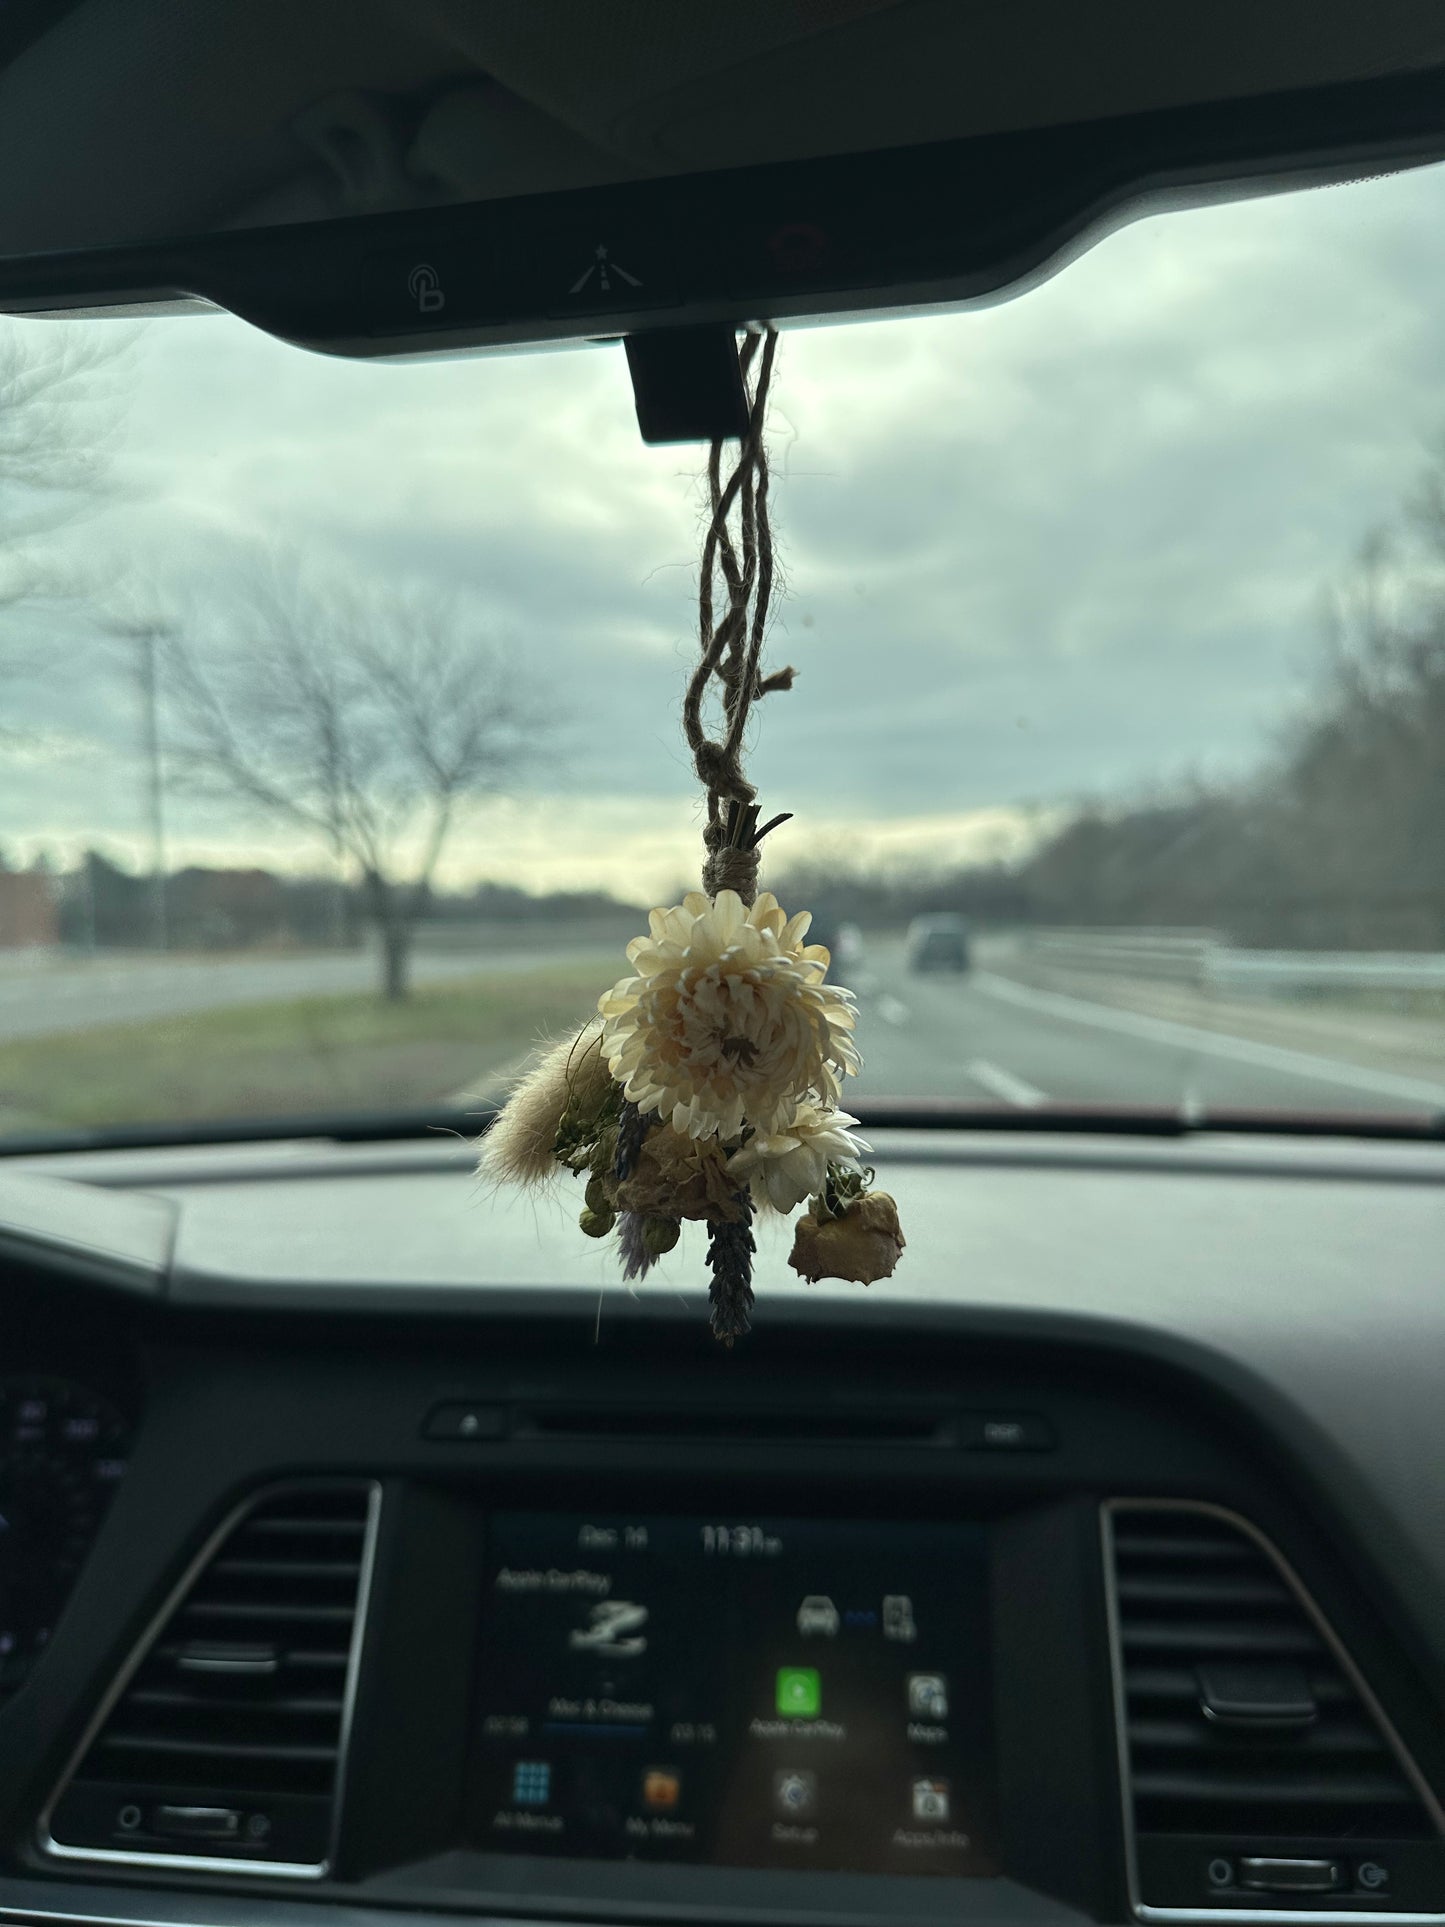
394, 214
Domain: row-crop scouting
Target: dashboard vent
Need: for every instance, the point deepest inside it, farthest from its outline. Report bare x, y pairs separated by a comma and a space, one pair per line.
226, 1739
1244, 1728
1238, 1714
794, 1426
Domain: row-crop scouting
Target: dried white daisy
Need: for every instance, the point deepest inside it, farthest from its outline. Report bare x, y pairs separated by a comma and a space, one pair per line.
728, 1019
784, 1167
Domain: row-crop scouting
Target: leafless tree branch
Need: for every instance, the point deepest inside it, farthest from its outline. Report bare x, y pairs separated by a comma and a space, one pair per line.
59, 417
363, 717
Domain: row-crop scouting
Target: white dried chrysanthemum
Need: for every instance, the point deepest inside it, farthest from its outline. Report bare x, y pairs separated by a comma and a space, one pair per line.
728, 1019
784, 1167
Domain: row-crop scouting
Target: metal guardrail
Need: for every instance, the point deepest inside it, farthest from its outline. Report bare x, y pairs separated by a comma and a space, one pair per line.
1174, 956
1206, 960
1295, 970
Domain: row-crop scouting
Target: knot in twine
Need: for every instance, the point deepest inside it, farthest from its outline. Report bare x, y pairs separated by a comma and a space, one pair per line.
728, 867
719, 770
731, 646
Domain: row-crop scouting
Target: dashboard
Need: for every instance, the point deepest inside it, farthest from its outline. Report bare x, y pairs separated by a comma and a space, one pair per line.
362, 1560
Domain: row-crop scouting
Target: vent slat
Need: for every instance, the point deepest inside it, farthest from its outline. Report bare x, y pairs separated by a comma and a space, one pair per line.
1178, 1550
341, 1571
329, 1659
1324, 1790
1152, 1683
1202, 1638
280, 1706
282, 1527
210, 1749
269, 1613
1193, 1737
282, 1589
1192, 1591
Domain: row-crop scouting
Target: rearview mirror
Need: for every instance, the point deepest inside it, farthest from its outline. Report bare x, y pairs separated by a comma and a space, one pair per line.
391, 178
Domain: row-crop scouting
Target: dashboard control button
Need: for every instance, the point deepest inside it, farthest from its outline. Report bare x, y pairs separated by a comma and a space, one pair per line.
1271, 1875
197, 1823
607, 267
1372, 1876
1007, 1432
430, 286
465, 1419
1220, 1872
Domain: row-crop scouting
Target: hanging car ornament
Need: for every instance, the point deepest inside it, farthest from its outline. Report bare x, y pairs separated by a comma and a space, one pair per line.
708, 1086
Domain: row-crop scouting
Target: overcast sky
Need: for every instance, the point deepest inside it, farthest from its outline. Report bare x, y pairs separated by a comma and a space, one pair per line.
1070, 545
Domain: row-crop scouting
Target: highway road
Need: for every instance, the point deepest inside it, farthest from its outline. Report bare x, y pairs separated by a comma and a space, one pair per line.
83, 993
987, 1038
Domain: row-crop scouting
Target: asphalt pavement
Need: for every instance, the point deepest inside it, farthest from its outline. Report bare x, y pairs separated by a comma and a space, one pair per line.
82, 993
984, 1037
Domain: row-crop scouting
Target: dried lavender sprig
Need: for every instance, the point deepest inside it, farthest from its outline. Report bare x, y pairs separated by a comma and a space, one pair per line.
637, 1260
632, 1128
730, 1249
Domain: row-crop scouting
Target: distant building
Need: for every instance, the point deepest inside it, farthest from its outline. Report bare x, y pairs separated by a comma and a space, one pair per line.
28, 913
226, 909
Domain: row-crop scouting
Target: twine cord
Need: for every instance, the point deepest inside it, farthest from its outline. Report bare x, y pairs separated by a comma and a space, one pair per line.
730, 646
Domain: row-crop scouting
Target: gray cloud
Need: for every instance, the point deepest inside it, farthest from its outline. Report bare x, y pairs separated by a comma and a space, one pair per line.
1073, 543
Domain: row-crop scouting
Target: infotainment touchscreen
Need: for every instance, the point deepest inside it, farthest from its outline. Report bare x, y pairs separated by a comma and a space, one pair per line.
746, 1692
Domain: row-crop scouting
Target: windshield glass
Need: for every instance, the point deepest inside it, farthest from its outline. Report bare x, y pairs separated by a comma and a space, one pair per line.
341, 745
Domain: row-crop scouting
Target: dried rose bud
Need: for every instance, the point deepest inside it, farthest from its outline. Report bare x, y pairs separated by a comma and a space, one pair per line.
597, 1224
862, 1245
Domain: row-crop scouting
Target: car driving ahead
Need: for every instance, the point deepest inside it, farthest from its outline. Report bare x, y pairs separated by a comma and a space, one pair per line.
938, 942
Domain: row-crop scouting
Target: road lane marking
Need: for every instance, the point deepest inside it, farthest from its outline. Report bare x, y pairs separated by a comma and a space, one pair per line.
1218, 1043
1013, 1090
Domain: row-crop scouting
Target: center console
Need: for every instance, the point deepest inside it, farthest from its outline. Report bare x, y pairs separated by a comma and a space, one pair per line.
643, 1702
791, 1693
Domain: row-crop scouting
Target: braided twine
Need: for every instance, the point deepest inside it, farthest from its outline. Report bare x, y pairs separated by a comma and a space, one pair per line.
737, 556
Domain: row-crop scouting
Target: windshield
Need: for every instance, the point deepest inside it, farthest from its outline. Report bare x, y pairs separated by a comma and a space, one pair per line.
341, 747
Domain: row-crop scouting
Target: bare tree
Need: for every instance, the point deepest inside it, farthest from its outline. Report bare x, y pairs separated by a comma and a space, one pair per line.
367, 718
59, 397
1366, 769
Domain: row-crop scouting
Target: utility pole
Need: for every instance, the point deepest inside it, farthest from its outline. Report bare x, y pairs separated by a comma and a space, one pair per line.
154, 786
144, 630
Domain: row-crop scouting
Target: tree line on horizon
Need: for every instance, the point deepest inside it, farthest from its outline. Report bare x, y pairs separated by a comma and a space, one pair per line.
1336, 840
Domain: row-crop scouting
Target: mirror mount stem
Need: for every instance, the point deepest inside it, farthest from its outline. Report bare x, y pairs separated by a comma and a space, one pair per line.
687, 384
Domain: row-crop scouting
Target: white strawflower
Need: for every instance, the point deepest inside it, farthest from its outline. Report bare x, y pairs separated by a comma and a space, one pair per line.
784, 1167
728, 1019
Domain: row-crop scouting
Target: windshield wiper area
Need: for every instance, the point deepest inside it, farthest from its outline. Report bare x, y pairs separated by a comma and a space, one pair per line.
879, 1113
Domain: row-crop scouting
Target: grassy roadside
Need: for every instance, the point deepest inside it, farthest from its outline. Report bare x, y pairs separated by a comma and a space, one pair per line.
349, 1052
